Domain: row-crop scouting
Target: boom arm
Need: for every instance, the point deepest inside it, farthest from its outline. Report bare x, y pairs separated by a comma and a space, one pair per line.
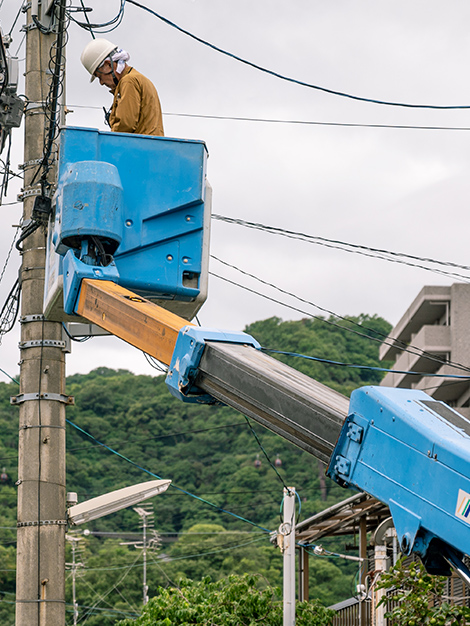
398, 445
210, 365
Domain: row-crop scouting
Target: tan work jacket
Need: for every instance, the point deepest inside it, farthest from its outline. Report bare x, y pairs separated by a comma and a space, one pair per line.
136, 106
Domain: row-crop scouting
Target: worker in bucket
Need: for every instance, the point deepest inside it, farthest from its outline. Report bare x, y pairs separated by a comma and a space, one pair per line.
136, 106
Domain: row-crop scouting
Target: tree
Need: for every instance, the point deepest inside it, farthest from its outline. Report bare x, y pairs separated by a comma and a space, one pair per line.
418, 596
232, 601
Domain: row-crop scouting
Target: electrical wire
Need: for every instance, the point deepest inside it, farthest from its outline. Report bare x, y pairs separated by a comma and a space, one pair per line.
28, 230
308, 122
16, 19
51, 108
104, 27
83, 580
57, 68
295, 122
19, 47
396, 257
154, 363
169, 559
389, 341
364, 367
293, 80
85, 615
13, 380
7, 260
160, 478
10, 309
85, 13
255, 435
72, 338
130, 439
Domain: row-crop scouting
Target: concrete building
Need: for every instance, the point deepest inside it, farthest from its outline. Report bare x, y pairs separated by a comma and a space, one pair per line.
432, 337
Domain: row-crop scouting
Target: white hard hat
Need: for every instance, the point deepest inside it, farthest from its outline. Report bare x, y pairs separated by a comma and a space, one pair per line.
95, 53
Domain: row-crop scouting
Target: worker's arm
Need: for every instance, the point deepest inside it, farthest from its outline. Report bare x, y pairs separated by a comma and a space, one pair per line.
126, 114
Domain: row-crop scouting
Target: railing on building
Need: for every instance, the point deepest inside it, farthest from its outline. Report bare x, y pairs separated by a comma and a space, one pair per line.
347, 613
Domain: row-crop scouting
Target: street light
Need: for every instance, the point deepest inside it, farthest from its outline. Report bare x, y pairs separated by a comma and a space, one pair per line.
115, 501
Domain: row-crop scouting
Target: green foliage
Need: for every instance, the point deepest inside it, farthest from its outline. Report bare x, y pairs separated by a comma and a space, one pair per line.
418, 596
206, 450
229, 602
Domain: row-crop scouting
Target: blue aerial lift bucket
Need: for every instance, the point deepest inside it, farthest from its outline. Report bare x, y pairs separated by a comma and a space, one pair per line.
148, 200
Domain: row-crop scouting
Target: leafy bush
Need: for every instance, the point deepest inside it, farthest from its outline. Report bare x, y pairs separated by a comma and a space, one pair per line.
234, 601
419, 598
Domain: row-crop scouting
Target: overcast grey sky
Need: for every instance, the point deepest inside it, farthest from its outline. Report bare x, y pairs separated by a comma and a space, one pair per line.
398, 189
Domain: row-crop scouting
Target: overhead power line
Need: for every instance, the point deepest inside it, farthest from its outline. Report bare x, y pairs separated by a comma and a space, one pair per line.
387, 340
294, 80
363, 367
310, 122
124, 458
379, 253
235, 118
104, 27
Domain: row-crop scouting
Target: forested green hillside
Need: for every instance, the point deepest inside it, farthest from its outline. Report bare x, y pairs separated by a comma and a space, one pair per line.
209, 453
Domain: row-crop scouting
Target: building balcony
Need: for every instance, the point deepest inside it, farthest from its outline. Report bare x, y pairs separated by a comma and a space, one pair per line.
431, 305
432, 339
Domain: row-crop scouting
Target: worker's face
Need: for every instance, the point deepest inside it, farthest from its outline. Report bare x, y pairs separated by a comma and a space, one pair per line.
105, 75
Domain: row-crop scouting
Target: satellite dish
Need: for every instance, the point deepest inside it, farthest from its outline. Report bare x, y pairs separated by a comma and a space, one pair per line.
380, 538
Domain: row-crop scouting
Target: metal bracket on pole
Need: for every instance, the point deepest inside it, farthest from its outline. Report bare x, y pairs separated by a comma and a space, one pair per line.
32, 163
32, 318
26, 193
26, 27
54, 522
30, 109
28, 397
42, 343
27, 426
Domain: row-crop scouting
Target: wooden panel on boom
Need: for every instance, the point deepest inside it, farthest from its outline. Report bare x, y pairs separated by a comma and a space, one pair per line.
130, 317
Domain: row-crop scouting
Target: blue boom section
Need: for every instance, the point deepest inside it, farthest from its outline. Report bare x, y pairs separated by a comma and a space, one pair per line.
413, 453
144, 199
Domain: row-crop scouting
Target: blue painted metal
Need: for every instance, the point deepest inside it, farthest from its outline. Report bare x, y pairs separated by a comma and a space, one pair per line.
89, 202
75, 270
187, 355
412, 453
160, 216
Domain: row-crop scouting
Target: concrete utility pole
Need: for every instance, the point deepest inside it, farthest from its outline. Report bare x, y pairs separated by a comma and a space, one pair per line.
74, 566
40, 590
287, 530
144, 515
